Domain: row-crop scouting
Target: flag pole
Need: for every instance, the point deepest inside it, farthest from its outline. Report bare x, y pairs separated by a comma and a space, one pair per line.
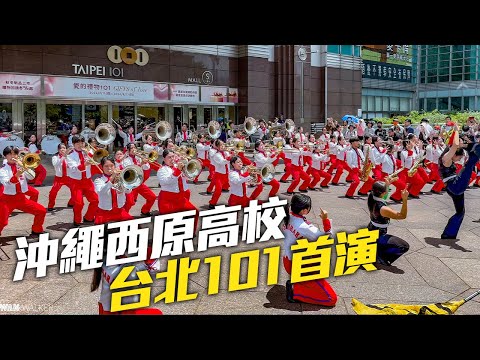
472, 296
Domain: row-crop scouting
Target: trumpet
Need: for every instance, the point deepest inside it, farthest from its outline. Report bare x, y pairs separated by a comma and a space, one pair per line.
151, 156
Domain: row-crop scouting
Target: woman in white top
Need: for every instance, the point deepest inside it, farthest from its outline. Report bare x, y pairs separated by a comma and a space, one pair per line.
298, 227
40, 171
59, 163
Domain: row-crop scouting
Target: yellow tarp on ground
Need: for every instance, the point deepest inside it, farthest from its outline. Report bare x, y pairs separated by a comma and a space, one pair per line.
446, 308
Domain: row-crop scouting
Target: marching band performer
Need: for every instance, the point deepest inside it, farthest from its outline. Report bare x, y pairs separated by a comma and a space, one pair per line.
150, 146
78, 170
203, 149
131, 158
296, 226
111, 201
389, 166
261, 159
15, 188
238, 138
342, 149
376, 154
183, 136
91, 152
278, 139
301, 136
414, 183
287, 160
174, 194
332, 151
238, 184
262, 130
221, 161
297, 169
40, 171
73, 132
129, 137
59, 163
356, 160
389, 247
456, 184
433, 152
418, 149
319, 162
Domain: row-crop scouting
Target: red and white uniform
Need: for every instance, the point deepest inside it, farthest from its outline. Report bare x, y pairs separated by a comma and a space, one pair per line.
261, 159
78, 171
312, 291
298, 172
341, 162
174, 194
241, 154
414, 183
183, 136
301, 137
432, 154
288, 163
238, 188
40, 171
128, 138
376, 155
110, 202
421, 170
203, 150
143, 189
389, 166
332, 151
355, 160
319, 162
221, 161
14, 191
148, 148
59, 163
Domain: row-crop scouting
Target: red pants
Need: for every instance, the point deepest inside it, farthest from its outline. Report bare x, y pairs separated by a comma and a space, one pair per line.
273, 191
317, 174
169, 203
22, 203
206, 163
438, 186
146, 193
341, 165
32, 193
279, 156
314, 291
94, 170
81, 188
356, 181
377, 172
106, 216
434, 172
142, 311
238, 200
414, 183
333, 164
298, 173
245, 160
220, 181
423, 174
40, 175
155, 166
58, 182
288, 170
399, 186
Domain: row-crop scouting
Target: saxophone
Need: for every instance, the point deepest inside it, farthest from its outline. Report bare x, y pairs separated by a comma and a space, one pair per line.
413, 169
367, 166
394, 174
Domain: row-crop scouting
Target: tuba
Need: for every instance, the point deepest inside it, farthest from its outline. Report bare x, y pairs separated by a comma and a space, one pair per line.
367, 166
192, 168
288, 127
130, 178
250, 125
214, 129
105, 134
163, 130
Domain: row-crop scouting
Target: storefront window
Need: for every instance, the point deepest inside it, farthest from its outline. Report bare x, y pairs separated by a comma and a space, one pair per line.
124, 115
6, 123
95, 115
192, 117
456, 103
231, 113
443, 103
221, 114
30, 120
149, 115
431, 104
61, 118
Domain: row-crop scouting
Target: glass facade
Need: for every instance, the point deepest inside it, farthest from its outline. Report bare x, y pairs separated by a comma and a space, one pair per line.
351, 50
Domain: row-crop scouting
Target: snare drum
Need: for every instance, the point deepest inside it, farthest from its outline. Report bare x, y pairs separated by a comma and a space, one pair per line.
13, 141
50, 144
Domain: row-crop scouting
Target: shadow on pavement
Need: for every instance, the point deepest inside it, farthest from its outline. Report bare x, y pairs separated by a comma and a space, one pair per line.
278, 300
452, 243
60, 226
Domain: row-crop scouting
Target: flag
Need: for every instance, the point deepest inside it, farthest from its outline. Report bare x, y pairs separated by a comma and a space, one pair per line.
445, 308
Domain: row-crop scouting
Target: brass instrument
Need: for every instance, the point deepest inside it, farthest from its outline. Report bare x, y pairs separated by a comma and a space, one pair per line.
163, 130
415, 166
196, 134
105, 134
394, 174
184, 151
97, 155
367, 166
149, 132
445, 135
235, 147
28, 161
151, 156
288, 126
266, 172
129, 178
214, 129
250, 125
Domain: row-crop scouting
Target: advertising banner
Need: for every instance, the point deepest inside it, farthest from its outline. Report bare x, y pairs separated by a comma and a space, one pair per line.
20, 85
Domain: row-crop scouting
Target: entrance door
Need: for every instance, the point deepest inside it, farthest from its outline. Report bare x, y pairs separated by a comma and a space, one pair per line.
177, 118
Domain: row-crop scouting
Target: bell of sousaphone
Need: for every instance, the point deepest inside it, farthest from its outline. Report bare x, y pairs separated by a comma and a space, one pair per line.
105, 134
163, 130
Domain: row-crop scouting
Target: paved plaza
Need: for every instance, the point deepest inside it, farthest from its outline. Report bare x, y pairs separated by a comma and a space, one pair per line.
433, 270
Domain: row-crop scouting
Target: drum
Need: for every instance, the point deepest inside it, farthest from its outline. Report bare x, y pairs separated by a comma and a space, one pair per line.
88, 133
50, 144
13, 141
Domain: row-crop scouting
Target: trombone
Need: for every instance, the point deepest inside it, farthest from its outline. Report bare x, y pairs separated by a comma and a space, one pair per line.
151, 156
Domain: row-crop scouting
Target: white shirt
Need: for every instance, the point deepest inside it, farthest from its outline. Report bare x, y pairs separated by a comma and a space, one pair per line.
332, 148
388, 164
149, 148
57, 163
236, 183
297, 157
301, 137
70, 143
261, 159
288, 155
73, 162
128, 138
371, 155
342, 151
407, 161
211, 153
297, 228
219, 161
377, 154
202, 151
9, 188
277, 139
433, 153
317, 159
353, 156
32, 148
180, 136
103, 188
168, 181
127, 160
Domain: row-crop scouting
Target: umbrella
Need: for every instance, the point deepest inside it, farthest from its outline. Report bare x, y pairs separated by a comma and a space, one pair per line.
350, 118
446, 308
